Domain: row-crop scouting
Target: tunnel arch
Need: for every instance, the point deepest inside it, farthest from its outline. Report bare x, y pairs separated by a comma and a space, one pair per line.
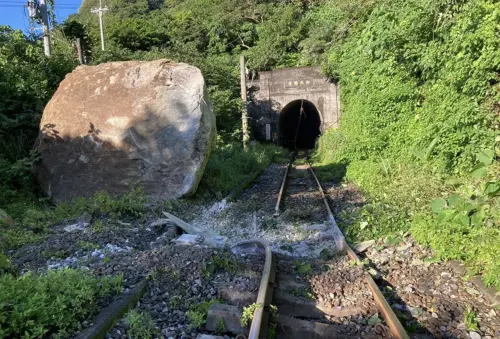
299, 130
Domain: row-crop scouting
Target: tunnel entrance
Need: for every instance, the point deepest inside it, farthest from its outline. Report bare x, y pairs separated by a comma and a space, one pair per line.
299, 130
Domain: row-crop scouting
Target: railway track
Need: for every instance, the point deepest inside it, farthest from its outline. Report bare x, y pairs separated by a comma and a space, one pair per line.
349, 301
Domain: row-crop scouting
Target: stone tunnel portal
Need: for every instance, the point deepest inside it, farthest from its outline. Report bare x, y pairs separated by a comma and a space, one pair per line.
299, 125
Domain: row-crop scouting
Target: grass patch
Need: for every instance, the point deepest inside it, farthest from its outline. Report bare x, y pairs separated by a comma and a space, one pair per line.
302, 268
197, 313
470, 320
455, 216
229, 165
52, 304
141, 325
30, 225
220, 262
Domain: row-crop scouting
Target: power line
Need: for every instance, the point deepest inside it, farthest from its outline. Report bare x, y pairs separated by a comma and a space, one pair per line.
100, 11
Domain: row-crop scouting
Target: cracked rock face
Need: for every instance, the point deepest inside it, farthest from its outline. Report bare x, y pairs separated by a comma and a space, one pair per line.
121, 125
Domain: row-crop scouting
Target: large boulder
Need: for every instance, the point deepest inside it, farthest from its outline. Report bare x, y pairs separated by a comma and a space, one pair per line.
121, 125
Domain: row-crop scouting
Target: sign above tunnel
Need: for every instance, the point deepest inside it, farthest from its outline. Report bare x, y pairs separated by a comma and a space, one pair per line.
297, 83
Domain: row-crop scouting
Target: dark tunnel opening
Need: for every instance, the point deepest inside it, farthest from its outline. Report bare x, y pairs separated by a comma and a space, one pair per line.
299, 130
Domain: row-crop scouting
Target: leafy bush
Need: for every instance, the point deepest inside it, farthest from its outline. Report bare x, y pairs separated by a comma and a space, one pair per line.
51, 304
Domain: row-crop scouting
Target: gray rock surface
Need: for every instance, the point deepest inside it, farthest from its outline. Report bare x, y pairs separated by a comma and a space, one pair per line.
121, 125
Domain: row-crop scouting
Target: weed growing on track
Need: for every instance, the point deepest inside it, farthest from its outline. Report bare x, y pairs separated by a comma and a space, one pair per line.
141, 325
221, 327
302, 268
175, 301
303, 293
197, 313
470, 320
247, 314
221, 262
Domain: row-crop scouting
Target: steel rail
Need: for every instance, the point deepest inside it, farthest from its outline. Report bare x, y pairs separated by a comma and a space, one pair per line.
337, 233
266, 282
282, 187
388, 314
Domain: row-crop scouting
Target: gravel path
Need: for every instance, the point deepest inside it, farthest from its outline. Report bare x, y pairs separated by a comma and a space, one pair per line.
337, 284
431, 296
182, 280
301, 229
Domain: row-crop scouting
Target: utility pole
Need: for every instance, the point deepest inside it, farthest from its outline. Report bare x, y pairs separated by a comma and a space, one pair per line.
100, 11
244, 112
45, 23
79, 50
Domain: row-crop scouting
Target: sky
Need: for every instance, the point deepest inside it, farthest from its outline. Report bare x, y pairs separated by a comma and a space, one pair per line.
13, 12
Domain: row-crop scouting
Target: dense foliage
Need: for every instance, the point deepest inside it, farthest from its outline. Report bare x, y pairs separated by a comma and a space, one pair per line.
27, 81
51, 305
420, 124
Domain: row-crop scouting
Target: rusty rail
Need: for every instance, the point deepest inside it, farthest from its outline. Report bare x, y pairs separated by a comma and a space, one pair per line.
266, 282
337, 233
282, 187
385, 309
390, 317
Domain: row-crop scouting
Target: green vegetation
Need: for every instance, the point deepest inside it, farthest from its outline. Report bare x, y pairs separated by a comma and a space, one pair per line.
5, 265
27, 81
470, 320
303, 293
420, 98
52, 304
247, 314
273, 322
86, 245
302, 268
420, 124
35, 220
175, 301
220, 262
197, 313
141, 325
229, 165
221, 327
